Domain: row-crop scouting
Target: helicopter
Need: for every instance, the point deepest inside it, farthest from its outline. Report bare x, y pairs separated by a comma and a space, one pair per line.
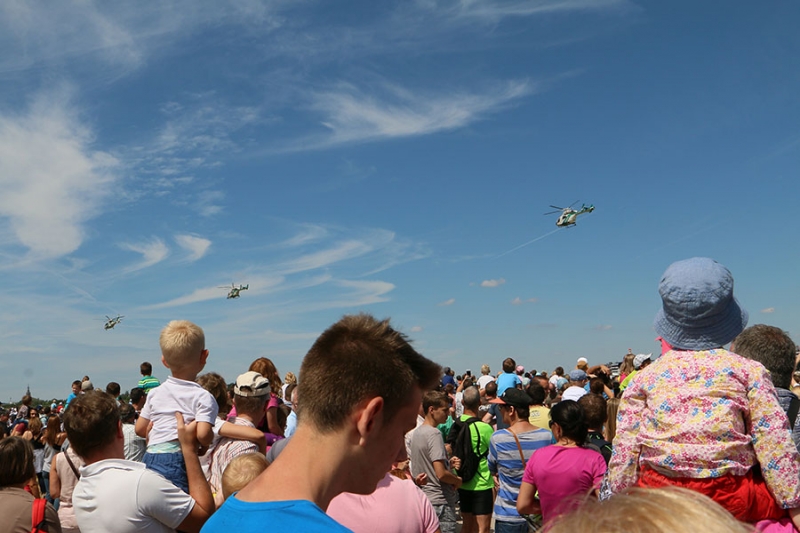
234, 290
568, 215
111, 322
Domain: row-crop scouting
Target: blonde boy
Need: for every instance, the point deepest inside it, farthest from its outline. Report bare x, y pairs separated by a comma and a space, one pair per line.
183, 351
241, 471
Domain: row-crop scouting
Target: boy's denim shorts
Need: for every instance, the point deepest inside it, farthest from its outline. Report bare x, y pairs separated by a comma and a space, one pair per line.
171, 466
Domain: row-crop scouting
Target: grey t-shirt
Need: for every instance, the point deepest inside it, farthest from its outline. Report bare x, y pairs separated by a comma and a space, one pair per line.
427, 446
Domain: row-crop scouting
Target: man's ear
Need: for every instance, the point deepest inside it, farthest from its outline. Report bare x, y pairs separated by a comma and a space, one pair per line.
164, 362
203, 357
120, 433
370, 418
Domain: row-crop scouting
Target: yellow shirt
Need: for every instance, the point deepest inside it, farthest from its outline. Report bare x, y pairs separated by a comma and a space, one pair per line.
540, 416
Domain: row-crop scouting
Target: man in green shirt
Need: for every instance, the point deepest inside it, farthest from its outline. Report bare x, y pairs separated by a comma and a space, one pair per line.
477, 494
148, 382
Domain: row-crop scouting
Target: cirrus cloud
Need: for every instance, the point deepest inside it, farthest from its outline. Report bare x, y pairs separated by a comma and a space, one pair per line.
153, 252
196, 246
491, 283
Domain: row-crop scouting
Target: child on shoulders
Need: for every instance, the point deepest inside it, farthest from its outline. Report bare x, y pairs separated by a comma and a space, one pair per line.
183, 351
701, 417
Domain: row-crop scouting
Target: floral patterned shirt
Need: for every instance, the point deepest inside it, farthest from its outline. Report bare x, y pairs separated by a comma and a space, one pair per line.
705, 414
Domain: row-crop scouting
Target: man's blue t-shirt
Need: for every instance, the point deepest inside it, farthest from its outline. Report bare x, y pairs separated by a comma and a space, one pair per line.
449, 379
295, 515
507, 381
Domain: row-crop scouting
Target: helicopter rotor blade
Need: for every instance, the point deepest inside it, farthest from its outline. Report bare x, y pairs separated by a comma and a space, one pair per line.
556, 207
573, 203
552, 212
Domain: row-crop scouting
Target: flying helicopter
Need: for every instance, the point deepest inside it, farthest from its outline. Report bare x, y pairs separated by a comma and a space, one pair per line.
569, 215
234, 290
111, 322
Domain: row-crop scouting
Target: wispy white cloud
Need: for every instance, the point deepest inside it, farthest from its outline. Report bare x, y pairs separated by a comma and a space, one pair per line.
208, 203
259, 284
491, 283
196, 246
363, 292
204, 127
520, 301
446, 303
343, 250
416, 329
516, 301
768, 310
119, 36
309, 233
494, 10
604, 327
353, 115
153, 252
51, 181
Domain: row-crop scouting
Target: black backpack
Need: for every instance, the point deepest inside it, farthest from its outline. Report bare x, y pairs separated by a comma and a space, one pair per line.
461, 441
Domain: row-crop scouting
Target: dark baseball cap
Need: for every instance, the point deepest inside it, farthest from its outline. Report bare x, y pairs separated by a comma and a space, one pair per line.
515, 397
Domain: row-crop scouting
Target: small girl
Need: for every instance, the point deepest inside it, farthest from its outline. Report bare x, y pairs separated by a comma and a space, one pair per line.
627, 366
701, 417
562, 472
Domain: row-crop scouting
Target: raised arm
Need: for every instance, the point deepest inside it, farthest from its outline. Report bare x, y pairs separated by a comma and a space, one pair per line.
244, 433
198, 486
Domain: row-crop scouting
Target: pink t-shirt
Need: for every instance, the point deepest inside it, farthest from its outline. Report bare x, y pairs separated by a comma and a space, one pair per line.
563, 475
396, 506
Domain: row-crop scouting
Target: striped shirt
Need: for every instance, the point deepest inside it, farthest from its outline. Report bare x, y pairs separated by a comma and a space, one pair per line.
148, 383
226, 451
504, 460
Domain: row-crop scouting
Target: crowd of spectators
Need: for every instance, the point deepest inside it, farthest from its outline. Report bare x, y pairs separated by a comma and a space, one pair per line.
697, 437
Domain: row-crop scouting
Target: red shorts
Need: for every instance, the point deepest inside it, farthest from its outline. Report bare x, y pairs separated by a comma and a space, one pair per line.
745, 497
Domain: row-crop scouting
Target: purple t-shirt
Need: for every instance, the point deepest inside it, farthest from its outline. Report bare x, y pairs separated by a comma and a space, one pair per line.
562, 476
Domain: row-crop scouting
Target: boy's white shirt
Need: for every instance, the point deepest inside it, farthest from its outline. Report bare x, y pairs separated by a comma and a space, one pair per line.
177, 395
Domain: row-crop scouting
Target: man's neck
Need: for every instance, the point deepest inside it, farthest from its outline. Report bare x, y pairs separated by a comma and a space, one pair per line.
108, 452
247, 416
313, 467
429, 421
471, 412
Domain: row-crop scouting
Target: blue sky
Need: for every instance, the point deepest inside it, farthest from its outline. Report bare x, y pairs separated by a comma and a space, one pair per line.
384, 157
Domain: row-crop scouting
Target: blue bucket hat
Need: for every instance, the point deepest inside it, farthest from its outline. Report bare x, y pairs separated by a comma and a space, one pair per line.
698, 309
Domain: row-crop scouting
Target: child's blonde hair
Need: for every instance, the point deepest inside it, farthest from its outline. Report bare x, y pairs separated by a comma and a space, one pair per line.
647, 510
241, 471
181, 342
